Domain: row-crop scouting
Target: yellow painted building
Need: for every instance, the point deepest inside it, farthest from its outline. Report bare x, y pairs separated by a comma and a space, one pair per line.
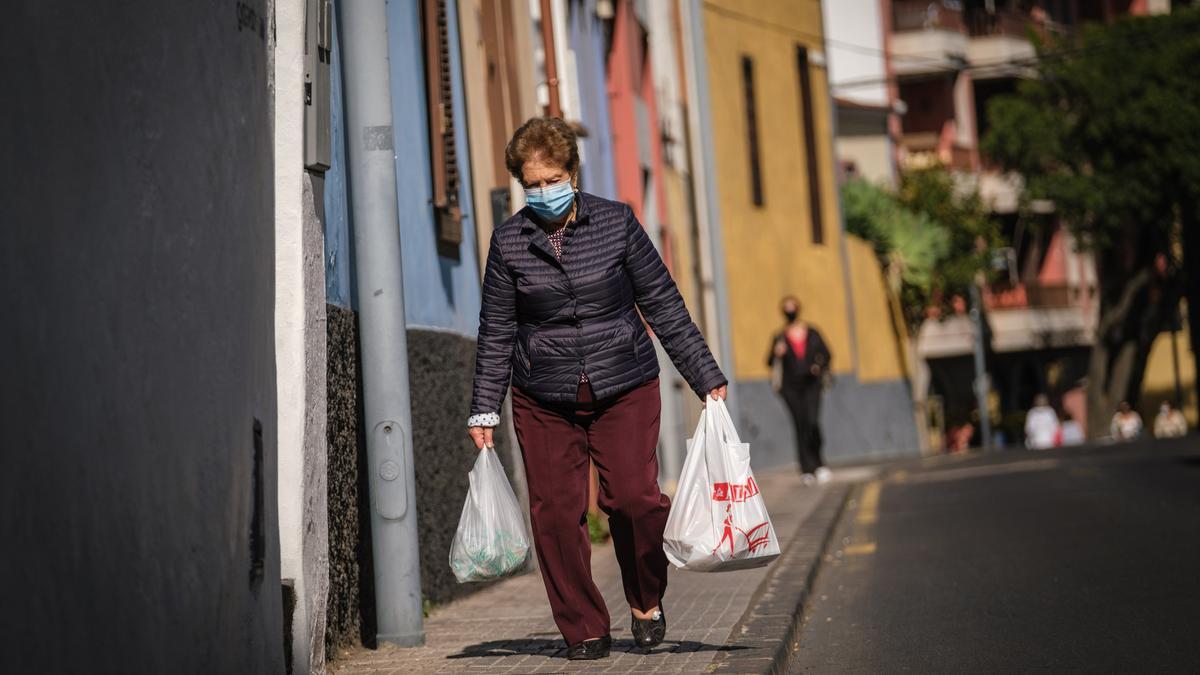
769, 249
881, 338
1158, 384
773, 147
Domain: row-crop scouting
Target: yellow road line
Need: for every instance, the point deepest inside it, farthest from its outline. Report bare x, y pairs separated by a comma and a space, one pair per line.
868, 510
865, 548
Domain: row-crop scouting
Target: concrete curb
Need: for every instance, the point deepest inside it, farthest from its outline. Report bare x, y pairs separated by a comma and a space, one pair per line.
761, 640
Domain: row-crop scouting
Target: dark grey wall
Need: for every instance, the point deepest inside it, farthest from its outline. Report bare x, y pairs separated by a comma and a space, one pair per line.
350, 578
138, 344
861, 423
441, 366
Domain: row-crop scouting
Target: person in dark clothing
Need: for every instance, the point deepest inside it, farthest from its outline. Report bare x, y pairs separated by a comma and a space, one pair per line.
799, 359
567, 283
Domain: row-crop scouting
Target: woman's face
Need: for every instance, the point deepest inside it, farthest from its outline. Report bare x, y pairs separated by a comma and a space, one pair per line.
537, 172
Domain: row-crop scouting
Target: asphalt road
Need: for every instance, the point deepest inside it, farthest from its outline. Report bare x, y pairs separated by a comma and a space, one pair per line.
1085, 560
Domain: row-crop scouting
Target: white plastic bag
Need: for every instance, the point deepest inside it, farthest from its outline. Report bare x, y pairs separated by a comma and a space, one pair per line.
718, 520
490, 541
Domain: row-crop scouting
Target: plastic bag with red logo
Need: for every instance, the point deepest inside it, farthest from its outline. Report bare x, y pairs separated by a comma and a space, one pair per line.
718, 519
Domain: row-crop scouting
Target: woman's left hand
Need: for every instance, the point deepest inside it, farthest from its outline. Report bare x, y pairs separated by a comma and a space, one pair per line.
720, 393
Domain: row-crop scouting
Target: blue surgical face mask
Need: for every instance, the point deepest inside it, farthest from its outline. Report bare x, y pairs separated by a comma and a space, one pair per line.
551, 202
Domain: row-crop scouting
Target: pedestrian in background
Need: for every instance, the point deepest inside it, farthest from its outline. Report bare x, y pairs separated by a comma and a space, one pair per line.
1070, 431
799, 360
1169, 422
1041, 425
564, 281
1126, 423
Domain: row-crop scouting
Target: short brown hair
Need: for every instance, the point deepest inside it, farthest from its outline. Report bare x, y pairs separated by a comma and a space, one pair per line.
546, 137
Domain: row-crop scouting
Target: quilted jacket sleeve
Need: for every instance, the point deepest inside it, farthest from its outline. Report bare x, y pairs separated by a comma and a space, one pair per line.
497, 327
658, 298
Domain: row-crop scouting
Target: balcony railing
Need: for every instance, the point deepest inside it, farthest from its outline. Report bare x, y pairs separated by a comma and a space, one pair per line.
1034, 295
1010, 23
915, 15
1001, 22
949, 15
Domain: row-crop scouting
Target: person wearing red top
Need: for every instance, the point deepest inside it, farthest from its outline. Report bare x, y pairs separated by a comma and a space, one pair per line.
801, 360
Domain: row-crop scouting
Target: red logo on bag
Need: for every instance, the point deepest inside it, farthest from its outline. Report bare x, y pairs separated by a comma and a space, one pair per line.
732, 492
755, 539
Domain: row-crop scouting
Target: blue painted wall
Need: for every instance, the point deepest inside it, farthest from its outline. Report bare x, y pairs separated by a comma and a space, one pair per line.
439, 293
339, 272
465, 270
586, 34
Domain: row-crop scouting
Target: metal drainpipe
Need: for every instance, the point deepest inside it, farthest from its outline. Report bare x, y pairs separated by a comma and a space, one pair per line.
372, 173
553, 107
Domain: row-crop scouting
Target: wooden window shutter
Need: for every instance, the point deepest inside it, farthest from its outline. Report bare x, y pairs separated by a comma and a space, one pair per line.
443, 150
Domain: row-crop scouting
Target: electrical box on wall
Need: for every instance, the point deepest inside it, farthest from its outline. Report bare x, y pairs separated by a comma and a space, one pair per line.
318, 50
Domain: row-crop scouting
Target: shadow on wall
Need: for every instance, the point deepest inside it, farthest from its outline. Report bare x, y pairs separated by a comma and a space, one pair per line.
441, 369
860, 422
350, 612
139, 488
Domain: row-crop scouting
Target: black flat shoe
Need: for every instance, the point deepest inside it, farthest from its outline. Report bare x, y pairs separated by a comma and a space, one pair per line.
590, 650
649, 633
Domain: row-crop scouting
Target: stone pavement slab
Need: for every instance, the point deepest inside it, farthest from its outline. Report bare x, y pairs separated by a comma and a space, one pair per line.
711, 620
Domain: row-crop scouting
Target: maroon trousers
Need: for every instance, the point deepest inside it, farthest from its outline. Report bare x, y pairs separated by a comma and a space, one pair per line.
620, 436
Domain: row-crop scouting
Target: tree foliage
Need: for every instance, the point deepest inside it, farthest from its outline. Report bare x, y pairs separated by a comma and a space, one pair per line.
933, 235
1109, 130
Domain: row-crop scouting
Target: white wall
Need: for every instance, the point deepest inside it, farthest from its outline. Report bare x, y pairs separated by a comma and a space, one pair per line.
665, 65
300, 353
871, 156
855, 48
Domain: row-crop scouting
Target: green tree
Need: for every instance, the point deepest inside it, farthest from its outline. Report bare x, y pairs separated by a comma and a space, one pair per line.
932, 235
955, 205
1109, 130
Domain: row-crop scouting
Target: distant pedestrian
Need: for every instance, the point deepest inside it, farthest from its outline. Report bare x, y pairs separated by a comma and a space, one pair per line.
1126, 423
565, 279
801, 358
1170, 422
1070, 432
960, 437
1041, 425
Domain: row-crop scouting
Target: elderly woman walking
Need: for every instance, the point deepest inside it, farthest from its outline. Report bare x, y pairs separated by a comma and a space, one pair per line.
564, 281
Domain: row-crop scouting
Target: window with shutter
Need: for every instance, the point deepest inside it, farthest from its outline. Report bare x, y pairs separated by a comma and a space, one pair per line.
442, 146
756, 185
810, 144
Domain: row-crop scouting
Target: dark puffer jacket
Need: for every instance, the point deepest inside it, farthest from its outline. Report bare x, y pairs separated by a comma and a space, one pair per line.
544, 321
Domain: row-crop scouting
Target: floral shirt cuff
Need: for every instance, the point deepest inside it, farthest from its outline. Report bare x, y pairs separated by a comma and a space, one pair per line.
484, 420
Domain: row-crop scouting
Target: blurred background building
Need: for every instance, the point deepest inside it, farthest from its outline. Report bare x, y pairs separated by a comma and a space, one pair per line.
946, 60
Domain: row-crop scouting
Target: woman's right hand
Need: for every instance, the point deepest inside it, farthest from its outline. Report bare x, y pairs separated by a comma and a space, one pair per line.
482, 436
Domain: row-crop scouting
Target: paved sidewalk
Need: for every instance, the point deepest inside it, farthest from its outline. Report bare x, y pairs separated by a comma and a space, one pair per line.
712, 624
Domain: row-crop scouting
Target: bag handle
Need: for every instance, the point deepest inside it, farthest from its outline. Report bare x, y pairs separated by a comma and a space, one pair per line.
722, 422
